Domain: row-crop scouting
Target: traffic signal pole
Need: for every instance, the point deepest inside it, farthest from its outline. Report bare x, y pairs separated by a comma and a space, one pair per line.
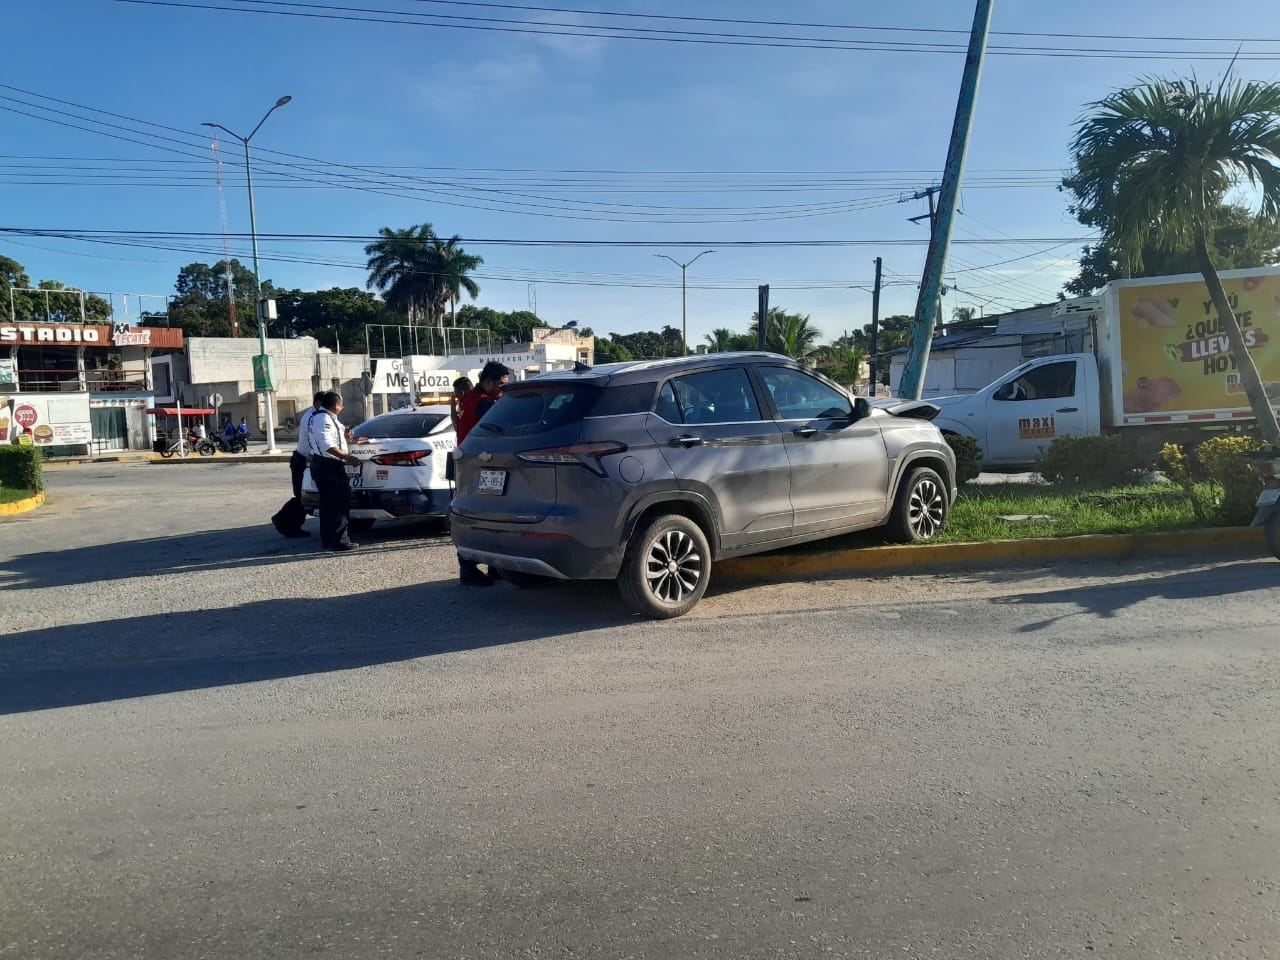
930, 298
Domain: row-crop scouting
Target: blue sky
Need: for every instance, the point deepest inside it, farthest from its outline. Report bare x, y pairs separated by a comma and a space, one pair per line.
688, 131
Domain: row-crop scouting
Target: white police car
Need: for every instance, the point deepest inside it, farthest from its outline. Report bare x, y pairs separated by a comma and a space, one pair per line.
402, 471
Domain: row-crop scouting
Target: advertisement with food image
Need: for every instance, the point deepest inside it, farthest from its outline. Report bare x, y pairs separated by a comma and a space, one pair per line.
46, 421
1175, 351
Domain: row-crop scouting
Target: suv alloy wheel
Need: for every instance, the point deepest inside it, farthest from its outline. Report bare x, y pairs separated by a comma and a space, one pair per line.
667, 567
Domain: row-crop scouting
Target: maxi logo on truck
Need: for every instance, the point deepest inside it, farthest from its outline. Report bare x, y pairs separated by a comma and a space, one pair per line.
1036, 428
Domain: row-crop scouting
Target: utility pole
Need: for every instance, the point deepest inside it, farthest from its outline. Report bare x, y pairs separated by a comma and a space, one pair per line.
929, 302
684, 301
265, 309
763, 326
875, 328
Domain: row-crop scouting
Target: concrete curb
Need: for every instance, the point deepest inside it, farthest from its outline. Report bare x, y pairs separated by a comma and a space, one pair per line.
156, 458
808, 565
21, 506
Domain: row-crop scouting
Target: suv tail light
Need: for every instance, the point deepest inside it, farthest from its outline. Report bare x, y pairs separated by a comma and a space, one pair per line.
408, 458
588, 455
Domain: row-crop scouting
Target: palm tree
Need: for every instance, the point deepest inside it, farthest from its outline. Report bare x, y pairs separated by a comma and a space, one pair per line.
720, 340
451, 265
1153, 162
787, 333
400, 268
963, 314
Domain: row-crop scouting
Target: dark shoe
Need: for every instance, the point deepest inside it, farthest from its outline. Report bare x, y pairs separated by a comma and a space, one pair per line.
344, 546
475, 578
289, 531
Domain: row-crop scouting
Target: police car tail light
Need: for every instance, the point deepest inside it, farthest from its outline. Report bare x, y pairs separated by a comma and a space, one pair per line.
588, 455
407, 458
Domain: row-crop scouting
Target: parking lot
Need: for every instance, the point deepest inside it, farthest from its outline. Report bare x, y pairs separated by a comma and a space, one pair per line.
221, 743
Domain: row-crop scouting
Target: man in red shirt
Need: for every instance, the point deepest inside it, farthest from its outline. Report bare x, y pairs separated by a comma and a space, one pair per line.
472, 407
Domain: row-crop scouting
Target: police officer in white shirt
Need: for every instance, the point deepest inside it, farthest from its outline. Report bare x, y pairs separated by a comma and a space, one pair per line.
328, 442
302, 453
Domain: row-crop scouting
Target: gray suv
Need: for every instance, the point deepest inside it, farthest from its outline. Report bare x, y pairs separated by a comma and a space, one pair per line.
648, 472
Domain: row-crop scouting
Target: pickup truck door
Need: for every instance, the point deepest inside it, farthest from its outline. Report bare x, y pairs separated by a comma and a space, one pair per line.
1029, 409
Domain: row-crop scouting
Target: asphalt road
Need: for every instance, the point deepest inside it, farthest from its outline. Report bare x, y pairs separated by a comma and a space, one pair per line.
221, 744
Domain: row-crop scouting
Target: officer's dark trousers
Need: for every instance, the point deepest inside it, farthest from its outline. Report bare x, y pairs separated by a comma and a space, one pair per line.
297, 466
335, 499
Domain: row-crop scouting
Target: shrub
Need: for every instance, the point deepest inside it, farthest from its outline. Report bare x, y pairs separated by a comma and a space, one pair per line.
20, 468
968, 456
1182, 470
1227, 461
1112, 460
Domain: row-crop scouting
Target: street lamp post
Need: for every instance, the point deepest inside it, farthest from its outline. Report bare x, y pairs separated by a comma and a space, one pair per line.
268, 414
684, 300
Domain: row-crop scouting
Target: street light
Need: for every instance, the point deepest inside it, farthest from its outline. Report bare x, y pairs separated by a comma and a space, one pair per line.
684, 301
268, 413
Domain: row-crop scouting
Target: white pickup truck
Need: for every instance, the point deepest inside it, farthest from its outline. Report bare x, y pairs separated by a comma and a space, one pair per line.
1160, 358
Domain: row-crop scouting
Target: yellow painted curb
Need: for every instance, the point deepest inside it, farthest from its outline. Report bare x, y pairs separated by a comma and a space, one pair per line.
810, 564
21, 506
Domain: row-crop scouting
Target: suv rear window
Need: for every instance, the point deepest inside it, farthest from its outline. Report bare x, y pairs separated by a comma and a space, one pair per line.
528, 409
399, 426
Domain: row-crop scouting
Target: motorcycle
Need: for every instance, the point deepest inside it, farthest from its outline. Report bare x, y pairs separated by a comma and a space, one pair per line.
232, 444
1268, 505
201, 445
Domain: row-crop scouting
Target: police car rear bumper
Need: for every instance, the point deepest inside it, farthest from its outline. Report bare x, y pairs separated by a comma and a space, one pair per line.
389, 504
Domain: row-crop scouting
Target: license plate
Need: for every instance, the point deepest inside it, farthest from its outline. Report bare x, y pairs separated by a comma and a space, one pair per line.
492, 482
355, 476
1268, 497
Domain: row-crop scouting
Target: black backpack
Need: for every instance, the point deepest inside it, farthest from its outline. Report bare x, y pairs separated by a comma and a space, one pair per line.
289, 519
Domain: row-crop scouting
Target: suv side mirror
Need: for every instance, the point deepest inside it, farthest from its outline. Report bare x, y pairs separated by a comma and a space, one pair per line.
861, 408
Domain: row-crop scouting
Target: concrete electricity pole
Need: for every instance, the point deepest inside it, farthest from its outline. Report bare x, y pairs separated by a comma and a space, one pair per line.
929, 302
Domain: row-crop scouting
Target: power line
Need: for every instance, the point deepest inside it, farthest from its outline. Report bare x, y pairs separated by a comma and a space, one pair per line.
541, 28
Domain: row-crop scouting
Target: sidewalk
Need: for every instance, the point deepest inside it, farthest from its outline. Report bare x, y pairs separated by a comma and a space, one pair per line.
254, 455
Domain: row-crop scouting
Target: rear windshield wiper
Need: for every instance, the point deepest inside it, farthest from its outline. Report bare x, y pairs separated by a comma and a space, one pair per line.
490, 426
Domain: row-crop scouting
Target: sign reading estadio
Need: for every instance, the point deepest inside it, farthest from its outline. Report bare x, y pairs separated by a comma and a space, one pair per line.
1175, 351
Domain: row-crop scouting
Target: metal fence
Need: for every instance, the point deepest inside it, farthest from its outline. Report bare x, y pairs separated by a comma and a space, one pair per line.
392, 341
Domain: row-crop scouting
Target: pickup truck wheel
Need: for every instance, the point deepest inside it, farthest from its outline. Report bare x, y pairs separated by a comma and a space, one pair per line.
667, 567
920, 510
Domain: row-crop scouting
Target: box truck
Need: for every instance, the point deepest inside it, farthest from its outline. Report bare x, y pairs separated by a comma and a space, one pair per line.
1161, 362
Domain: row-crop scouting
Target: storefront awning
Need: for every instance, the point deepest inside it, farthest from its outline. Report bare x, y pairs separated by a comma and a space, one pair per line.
186, 411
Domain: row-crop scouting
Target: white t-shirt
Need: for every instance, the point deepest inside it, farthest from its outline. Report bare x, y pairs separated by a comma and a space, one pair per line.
304, 438
324, 431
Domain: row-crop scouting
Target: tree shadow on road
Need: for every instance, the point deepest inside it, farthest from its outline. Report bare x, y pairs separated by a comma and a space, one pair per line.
1110, 599
270, 639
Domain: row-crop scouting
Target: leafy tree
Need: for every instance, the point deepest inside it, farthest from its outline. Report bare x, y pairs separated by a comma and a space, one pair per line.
336, 317
843, 364
514, 327
1238, 239
58, 307
453, 264
610, 351
646, 345
200, 307
1152, 163
964, 314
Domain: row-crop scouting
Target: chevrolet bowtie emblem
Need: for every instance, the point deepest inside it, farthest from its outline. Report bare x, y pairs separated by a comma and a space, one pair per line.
486, 457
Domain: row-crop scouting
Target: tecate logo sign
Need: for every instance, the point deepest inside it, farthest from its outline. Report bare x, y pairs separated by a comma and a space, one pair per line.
49, 333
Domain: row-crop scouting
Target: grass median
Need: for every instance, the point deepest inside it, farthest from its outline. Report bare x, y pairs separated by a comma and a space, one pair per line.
13, 495
1014, 511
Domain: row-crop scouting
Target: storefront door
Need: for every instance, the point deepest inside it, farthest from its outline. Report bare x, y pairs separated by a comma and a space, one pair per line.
110, 428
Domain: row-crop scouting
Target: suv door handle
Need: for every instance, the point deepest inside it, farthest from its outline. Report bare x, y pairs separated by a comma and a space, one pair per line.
805, 431
684, 440
1067, 410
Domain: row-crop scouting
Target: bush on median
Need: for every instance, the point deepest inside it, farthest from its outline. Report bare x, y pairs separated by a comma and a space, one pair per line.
968, 457
1229, 463
20, 468
1110, 460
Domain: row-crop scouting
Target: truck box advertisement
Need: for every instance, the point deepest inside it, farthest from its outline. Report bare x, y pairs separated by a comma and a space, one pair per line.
1174, 351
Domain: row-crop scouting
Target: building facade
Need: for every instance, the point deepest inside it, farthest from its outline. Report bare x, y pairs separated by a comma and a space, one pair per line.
76, 389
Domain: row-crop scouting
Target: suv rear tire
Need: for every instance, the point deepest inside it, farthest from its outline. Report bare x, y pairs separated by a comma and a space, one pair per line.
667, 567
920, 510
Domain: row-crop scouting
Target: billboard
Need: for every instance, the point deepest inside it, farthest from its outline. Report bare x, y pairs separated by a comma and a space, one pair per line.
1174, 350
46, 420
